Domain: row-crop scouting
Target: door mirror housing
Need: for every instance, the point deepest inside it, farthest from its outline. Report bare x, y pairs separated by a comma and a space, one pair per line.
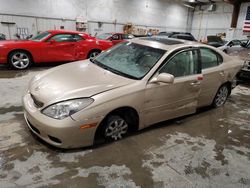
52, 41
164, 78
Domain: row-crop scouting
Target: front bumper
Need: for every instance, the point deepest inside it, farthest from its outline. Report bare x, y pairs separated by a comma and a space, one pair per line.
66, 133
3, 60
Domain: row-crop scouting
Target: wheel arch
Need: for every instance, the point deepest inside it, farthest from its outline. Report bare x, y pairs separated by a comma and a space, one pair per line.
20, 49
228, 84
127, 112
93, 50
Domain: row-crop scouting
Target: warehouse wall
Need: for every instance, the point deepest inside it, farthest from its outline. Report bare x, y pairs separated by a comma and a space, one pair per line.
210, 23
37, 15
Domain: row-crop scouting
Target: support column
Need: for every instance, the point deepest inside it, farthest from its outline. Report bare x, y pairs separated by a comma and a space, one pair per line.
235, 15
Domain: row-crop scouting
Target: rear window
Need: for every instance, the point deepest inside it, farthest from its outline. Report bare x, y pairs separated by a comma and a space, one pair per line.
210, 58
127, 36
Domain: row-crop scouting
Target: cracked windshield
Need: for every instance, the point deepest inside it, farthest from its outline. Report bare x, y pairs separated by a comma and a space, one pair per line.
129, 59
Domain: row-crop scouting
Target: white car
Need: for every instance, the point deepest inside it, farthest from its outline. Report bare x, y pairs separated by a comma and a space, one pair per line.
231, 46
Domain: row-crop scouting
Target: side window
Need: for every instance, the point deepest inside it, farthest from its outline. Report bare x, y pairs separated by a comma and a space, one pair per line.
127, 36
183, 64
210, 58
124, 36
115, 37
63, 38
236, 42
77, 37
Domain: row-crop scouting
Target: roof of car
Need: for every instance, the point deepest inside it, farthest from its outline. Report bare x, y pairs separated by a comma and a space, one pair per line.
165, 43
170, 44
64, 31
113, 33
85, 35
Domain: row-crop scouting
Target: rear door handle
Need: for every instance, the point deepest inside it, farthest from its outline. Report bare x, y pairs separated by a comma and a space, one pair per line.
222, 73
195, 83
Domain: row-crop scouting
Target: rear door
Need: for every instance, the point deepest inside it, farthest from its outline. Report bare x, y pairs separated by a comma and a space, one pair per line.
166, 101
213, 75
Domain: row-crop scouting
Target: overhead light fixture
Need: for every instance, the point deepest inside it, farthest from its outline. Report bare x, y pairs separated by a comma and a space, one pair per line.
189, 6
191, 1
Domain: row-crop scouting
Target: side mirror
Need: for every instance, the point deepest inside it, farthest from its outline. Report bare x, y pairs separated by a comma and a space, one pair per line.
164, 78
52, 41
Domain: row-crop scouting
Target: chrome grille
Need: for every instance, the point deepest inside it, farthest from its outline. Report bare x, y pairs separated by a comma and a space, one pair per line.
37, 103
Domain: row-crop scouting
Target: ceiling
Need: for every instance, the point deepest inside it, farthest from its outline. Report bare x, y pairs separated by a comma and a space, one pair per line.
203, 2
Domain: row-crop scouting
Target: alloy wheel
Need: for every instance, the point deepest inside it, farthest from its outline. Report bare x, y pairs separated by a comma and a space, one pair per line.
93, 55
221, 96
20, 60
117, 127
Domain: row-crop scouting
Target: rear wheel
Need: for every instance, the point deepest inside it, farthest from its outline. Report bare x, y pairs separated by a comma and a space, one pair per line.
221, 96
93, 54
19, 60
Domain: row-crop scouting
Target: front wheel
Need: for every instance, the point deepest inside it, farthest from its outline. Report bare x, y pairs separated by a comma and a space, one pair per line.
116, 128
221, 96
19, 60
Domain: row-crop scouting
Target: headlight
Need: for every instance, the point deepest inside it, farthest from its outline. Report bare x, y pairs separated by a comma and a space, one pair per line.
64, 109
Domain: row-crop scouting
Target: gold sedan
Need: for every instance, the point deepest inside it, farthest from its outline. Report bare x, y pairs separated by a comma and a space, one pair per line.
129, 87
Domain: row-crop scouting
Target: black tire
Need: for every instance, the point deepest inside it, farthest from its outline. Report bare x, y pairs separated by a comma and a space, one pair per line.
19, 60
115, 128
221, 96
93, 54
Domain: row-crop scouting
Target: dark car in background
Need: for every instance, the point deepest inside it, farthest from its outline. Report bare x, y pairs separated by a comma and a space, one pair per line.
178, 35
2, 36
215, 41
115, 37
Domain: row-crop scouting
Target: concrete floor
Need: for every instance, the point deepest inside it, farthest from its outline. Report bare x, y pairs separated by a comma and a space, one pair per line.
208, 149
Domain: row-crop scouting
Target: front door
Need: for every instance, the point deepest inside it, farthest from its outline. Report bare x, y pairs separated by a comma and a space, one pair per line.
59, 48
166, 101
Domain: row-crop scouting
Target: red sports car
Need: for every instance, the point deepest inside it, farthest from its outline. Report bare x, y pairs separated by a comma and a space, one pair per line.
115, 38
51, 46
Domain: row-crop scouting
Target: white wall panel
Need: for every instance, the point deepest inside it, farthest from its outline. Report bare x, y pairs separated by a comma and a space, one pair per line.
171, 14
210, 23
